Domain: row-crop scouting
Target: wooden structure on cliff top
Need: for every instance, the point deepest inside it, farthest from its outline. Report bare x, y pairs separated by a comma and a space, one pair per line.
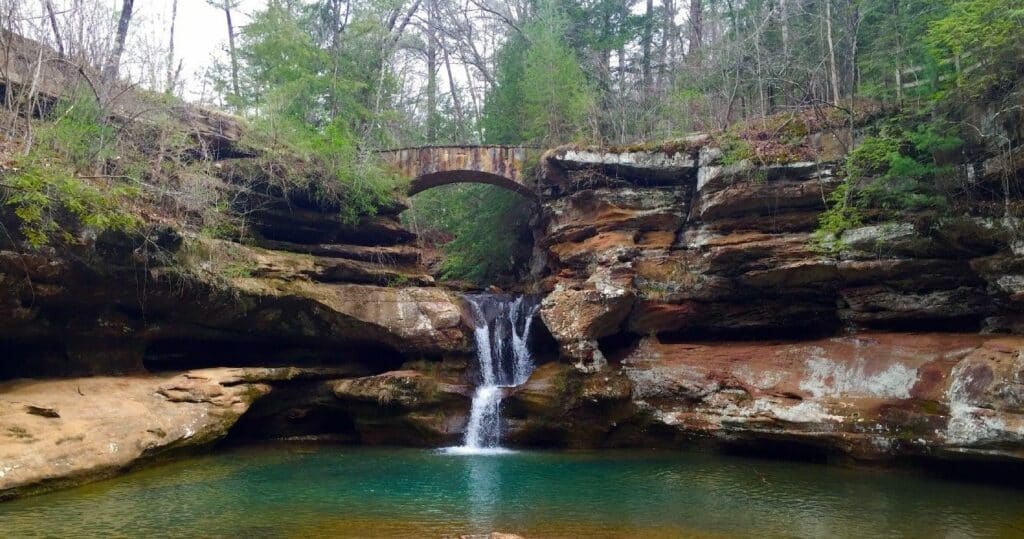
433, 166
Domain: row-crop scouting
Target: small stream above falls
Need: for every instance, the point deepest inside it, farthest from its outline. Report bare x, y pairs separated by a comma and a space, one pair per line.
501, 327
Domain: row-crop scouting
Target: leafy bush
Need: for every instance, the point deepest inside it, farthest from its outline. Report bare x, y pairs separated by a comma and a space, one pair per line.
891, 172
340, 175
488, 223
841, 215
44, 195
44, 187
78, 133
735, 150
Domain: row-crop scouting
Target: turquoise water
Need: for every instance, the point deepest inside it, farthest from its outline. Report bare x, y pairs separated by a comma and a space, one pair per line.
331, 491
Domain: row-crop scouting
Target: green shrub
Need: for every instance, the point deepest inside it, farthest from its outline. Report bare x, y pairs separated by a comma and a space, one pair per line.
488, 225
334, 171
78, 133
734, 149
47, 197
841, 215
46, 187
892, 172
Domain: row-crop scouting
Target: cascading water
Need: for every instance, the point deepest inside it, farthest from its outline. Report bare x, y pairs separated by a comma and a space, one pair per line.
502, 332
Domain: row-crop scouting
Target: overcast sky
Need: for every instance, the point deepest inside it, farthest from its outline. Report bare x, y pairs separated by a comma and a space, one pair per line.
201, 31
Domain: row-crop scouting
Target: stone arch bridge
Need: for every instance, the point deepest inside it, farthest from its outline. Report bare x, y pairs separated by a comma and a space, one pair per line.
433, 166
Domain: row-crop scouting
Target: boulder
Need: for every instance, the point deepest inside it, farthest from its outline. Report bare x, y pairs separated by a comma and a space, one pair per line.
760, 197
100, 426
642, 164
578, 315
407, 407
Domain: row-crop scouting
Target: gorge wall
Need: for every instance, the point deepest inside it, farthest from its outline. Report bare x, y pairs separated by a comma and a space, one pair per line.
695, 303
685, 301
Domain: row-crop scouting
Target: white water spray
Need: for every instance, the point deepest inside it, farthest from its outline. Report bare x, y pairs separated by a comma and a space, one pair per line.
502, 332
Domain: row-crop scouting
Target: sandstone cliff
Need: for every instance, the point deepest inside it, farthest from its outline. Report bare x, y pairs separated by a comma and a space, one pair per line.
694, 301
685, 301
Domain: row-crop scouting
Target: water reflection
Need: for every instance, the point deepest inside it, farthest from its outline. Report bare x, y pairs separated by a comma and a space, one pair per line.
351, 492
483, 488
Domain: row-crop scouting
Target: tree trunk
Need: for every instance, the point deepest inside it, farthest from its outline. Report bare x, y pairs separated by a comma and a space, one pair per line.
114, 62
853, 30
338, 26
171, 73
431, 75
621, 101
784, 24
53, 25
647, 38
475, 101
833, 70
668, 40
231, 49
696, 27
454, 89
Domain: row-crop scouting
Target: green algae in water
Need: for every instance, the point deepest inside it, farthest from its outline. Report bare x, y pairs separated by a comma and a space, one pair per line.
329, 491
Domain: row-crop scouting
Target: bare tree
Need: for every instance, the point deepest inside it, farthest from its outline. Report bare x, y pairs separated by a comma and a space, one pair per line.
833, 69
696, 26
110, 70
431, 54
52, 16
648, 37
226, 6
172, 71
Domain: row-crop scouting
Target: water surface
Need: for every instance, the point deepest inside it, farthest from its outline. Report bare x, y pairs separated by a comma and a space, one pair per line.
293, 490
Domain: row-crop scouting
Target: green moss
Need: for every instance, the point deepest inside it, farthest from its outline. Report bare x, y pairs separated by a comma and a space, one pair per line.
223, 229
890, 174
79, 169
251, 392
398, 281
238, 270
789, 128
735, 150
931, 407
840, 216
669, 147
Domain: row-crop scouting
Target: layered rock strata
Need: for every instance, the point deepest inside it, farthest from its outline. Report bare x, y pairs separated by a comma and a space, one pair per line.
687, 294
688, 243
294, 283
869, 396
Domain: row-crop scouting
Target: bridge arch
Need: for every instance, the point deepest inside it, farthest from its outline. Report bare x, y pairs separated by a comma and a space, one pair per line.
447, 177
434, 166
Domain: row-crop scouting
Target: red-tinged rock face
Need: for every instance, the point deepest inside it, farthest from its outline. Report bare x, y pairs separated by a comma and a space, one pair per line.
874, 395
730, 252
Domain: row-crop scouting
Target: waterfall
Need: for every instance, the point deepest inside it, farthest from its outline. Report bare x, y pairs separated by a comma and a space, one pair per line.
501, 327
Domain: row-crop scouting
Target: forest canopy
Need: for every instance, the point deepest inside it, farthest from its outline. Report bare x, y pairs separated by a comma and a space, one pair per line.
339, 79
